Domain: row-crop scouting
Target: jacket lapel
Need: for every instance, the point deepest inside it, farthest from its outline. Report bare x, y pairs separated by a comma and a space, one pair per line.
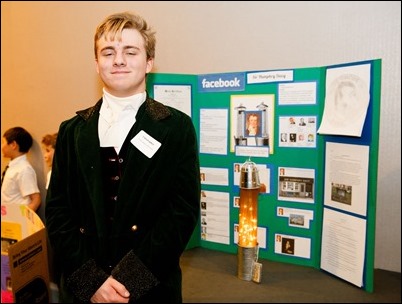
89, 160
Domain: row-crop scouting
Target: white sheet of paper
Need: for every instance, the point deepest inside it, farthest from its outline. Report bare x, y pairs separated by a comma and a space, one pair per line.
346, 101
343, 246
346, 177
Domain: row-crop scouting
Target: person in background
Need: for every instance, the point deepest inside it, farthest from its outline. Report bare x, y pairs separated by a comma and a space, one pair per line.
124, 197
48, 145
19, 182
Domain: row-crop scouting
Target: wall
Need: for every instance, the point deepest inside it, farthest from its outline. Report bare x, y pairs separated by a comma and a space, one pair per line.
48, 70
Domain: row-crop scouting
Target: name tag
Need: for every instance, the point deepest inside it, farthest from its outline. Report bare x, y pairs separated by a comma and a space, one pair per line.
146, 144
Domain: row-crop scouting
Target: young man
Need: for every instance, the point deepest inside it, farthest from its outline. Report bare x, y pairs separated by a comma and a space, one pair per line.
19, 184
124, 196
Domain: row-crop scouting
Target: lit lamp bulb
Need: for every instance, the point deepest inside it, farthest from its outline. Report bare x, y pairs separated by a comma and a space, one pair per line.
248, 206
248, 217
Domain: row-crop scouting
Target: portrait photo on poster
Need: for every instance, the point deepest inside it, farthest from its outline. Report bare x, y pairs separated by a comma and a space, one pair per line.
252, 124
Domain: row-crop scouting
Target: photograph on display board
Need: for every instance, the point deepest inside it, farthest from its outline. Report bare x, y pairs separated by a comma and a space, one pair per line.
252, 124
296, 184
288, 246
297, 131
341, 193
296, 220
299, 218
293, 245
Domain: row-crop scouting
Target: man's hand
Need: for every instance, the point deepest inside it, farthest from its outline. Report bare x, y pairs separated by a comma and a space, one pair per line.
112, 291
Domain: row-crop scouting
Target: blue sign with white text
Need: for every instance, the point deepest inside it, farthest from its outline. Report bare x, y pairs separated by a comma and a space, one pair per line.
221, 82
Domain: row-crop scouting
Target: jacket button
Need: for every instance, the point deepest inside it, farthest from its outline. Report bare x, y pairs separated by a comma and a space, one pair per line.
109, 269
134, 228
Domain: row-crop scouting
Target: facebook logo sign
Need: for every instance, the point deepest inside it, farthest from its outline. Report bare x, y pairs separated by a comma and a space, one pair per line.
221, 82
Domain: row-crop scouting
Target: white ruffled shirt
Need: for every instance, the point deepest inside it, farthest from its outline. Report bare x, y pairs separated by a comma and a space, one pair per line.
117, 116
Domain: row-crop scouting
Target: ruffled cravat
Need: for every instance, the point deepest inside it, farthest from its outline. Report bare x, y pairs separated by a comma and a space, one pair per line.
117, 116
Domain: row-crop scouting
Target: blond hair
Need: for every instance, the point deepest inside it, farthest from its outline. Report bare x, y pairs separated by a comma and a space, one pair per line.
112, 27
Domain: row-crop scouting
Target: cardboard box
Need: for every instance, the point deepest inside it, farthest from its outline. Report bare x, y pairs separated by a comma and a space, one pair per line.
24, 256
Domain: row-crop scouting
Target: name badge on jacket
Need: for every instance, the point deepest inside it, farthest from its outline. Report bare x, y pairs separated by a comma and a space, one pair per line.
146, 144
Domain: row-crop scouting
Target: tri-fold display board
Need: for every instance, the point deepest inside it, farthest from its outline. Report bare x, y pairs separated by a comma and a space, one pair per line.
313, 134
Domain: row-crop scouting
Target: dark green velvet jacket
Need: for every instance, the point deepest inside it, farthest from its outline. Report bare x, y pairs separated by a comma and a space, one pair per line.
156, 211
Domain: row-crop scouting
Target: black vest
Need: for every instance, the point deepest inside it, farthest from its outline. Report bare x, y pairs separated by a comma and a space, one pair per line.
113, 166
